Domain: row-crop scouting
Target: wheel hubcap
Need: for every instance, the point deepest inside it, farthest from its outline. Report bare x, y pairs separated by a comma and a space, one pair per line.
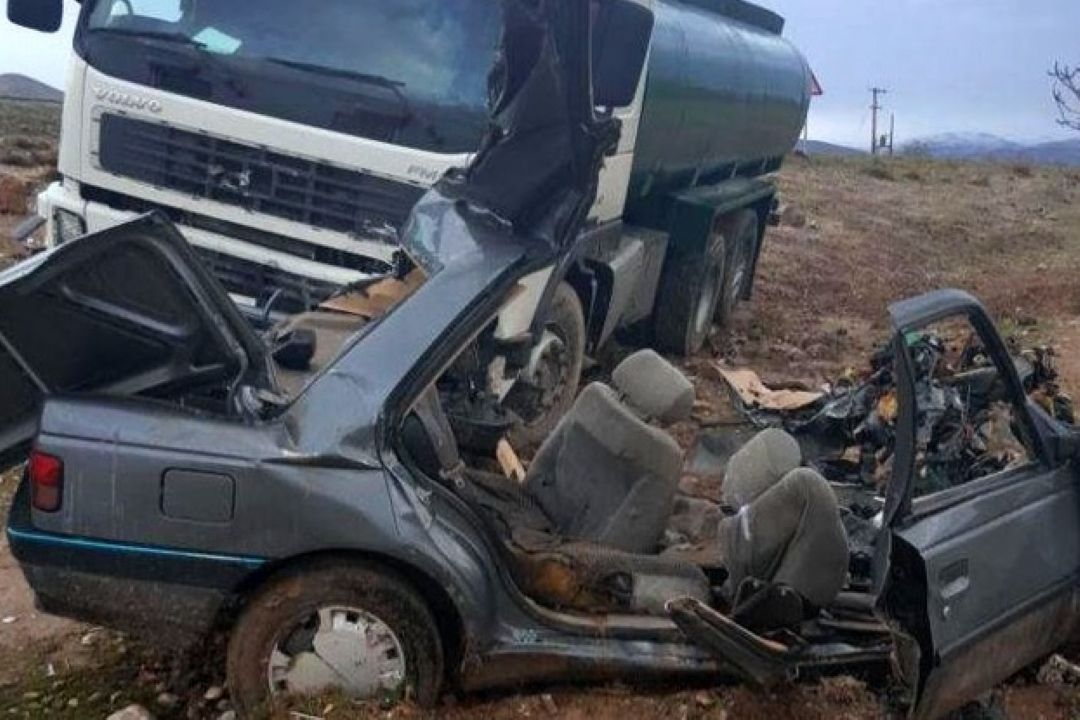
703, 316
338, 647
737, 278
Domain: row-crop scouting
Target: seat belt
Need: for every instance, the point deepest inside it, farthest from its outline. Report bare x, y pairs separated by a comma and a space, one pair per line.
430, 412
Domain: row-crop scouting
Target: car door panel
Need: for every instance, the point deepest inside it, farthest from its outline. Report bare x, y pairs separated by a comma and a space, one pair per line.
999, 555
987, 555
1035, 628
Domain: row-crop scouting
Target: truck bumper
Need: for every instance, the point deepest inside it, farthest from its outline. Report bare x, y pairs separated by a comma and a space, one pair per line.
26, 228
166, 596
245, 268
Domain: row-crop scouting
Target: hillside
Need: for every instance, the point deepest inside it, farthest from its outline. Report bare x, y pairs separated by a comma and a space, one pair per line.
28, 143
821, 148
986, 147
1066, 152
20, 87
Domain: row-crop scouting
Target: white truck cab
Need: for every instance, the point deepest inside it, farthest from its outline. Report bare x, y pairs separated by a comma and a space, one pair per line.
274, 139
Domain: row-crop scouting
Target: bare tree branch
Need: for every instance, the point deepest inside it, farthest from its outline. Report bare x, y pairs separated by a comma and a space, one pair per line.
1067, 94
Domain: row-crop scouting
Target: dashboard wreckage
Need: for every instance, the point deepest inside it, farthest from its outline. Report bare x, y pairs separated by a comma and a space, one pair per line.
336, 492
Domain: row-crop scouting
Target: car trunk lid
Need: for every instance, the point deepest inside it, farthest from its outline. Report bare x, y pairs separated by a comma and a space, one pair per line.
126, 311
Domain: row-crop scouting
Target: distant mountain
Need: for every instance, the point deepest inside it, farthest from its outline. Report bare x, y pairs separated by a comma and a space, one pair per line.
818, 147
20, 87
983, 146
1064, 152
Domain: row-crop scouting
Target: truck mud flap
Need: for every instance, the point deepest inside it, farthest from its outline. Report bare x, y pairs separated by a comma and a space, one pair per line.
760, 660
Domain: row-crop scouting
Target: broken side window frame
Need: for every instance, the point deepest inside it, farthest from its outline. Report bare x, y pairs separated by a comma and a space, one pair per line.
917, 313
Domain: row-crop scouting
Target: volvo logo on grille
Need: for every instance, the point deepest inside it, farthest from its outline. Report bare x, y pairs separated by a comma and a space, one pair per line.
126, 100
237, 181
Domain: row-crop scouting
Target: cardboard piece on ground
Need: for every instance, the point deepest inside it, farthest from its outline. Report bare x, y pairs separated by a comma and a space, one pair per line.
375, 299
754, 393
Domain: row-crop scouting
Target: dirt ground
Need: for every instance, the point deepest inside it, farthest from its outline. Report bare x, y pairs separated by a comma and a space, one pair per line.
875, 233
857, 236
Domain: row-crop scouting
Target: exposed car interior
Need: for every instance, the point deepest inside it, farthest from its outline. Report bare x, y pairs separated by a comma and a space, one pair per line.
305, 344
777, 565
593, 526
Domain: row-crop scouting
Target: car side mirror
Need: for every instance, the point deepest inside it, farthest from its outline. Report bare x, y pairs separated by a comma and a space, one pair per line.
622, 30
42, 15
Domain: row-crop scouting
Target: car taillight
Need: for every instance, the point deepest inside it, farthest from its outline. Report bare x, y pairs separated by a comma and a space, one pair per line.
46, 481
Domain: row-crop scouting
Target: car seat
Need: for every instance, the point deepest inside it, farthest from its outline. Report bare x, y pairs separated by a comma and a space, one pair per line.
606, 475
582, 532
787, 529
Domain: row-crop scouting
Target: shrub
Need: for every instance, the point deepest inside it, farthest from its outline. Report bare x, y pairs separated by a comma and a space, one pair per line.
879, 169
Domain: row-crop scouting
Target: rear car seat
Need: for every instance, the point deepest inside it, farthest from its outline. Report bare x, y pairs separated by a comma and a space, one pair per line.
787, 528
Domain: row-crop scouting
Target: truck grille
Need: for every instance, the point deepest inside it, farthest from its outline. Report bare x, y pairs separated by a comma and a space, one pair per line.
291, 293
255, 178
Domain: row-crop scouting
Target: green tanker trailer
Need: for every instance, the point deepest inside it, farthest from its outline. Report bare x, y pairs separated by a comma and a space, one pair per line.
684, 201
724, 99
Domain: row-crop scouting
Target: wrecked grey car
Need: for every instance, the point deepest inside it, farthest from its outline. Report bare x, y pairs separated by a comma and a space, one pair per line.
348, 536
350, 524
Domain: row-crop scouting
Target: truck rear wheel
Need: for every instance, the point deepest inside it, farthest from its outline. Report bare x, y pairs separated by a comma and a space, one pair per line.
541, 399
689, 294
741, 231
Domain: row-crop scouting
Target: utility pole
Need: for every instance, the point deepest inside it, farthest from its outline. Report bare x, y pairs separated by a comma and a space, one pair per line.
875, 107
892, 134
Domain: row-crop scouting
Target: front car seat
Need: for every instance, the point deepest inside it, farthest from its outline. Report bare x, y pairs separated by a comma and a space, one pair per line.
605, 481
607, 476
582, 533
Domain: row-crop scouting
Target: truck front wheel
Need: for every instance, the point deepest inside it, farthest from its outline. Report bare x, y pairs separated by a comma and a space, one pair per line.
689, 293
550, 382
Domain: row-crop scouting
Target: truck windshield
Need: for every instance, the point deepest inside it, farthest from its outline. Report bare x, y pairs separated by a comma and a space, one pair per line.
411, 72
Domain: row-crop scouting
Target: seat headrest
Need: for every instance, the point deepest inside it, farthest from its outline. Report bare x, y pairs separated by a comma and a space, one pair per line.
654, 387
758, 465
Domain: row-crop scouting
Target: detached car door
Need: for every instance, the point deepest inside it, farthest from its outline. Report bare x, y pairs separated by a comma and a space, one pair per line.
126, 311
979, 499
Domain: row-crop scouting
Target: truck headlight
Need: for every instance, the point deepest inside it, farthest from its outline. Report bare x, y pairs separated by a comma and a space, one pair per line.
67, 226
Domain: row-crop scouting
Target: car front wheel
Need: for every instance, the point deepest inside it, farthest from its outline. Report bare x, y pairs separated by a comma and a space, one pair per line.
340, 626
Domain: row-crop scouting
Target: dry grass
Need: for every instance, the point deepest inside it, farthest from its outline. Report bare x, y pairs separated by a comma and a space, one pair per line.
27, 151
880, 231
29, 133
34, 119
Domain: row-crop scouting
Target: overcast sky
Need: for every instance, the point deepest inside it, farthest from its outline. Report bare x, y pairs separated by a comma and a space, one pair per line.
950, 65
